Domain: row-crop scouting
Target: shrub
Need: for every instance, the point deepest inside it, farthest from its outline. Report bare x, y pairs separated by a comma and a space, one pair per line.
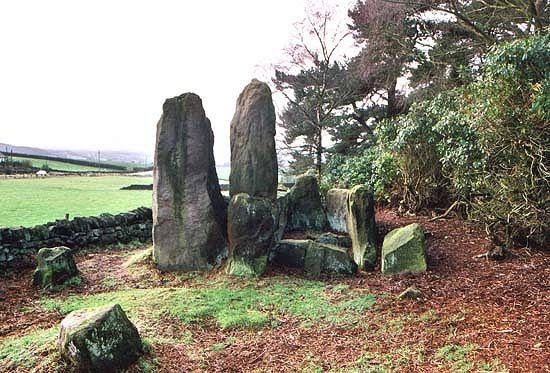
511, 115
372, 167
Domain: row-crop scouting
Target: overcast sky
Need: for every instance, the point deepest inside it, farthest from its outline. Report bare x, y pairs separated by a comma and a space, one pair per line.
94, 74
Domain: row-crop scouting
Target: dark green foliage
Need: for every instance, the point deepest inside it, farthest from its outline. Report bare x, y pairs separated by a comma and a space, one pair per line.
510, 114
373, 167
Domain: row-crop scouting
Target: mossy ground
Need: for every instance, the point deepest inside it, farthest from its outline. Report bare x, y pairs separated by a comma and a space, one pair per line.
234, 309
285, 321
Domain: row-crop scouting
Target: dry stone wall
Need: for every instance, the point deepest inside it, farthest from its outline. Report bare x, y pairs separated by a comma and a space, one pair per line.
18, 246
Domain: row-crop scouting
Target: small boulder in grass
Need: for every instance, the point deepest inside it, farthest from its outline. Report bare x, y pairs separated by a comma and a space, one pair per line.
99, 340
54, 266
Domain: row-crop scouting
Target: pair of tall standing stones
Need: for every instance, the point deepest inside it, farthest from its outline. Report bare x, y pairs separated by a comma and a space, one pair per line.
192, 224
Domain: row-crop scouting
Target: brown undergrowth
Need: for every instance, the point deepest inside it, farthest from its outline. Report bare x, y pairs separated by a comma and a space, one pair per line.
475, 315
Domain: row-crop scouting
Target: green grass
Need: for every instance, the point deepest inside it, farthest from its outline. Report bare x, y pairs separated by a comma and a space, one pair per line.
231, 306
457, 356
223, 302
22, 351
58, 165
29, 202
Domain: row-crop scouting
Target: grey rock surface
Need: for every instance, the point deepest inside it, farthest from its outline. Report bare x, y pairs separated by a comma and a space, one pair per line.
99, 340
189, 212
254, 167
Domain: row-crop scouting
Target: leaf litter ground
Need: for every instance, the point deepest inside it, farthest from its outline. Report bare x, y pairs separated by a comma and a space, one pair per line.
475, 315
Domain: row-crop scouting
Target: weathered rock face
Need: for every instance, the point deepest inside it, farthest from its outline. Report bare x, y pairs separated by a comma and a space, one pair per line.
337, 209
250, 228
362, 226
305, 211
253, 156
55, 266
335, 240
404, 250
99, 340
313, 257
189, 213
280, 215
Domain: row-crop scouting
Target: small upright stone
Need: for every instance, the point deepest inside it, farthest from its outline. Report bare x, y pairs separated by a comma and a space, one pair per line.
251, 235
404, 250
99, 340
337, 209
305, 210
54, 266
362, 226
189, 212
254, 167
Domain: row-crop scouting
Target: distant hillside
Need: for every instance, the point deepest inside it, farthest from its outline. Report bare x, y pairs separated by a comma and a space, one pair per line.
86, 155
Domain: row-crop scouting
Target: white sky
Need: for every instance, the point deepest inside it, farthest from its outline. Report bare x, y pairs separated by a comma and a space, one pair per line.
94, 74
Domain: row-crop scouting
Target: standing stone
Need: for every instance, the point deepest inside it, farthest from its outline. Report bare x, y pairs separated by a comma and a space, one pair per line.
337, 209
362, 226
404, 250
251, 237
305, 210
253, 156
189, 213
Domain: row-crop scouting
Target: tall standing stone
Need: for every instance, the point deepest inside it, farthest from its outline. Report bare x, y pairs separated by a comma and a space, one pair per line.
252, 182
189, 213
253, 157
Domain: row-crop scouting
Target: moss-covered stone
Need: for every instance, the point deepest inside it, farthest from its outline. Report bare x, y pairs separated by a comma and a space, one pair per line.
404, 250
313, 257
241, 267
362, 226
335, 239
251, 236
337, 209
99, 340
54, 266
305, 211
338, 261
289, 253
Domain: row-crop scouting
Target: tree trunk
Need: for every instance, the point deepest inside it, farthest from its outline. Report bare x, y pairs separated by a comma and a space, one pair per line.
319, 151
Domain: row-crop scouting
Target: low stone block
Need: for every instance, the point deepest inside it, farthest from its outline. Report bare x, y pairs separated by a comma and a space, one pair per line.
404, 250
314, 257
251, 234
99, 340
54, 266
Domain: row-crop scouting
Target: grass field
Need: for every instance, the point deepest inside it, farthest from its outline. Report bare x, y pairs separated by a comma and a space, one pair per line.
29, 202
57, 165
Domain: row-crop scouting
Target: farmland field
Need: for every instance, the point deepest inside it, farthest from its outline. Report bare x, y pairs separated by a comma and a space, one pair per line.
58, 165
29, 202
